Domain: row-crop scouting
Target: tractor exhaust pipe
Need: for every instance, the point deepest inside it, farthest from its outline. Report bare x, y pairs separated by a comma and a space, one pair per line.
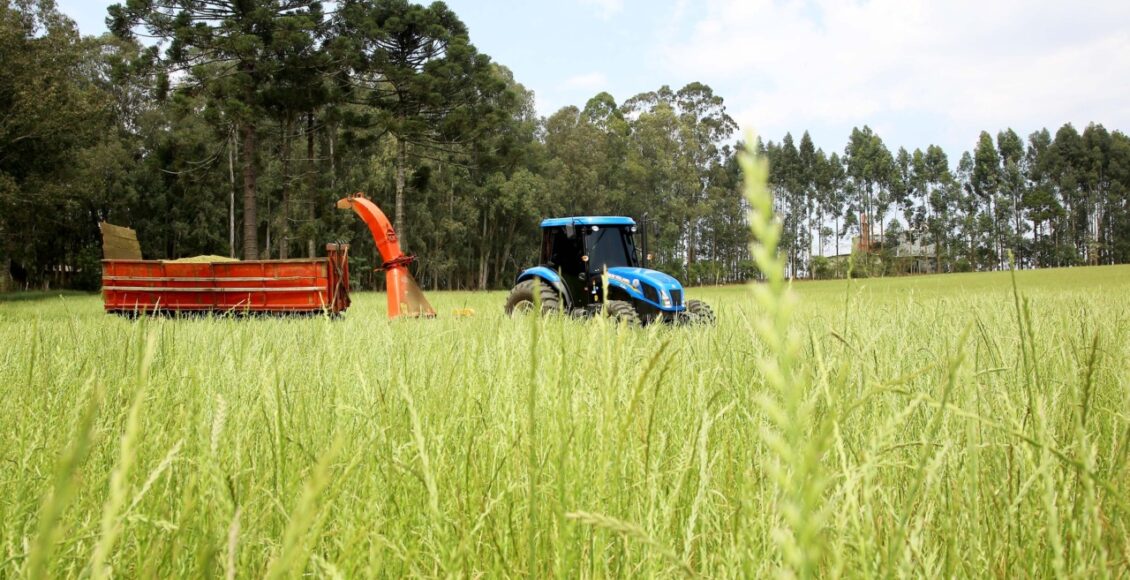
643, 228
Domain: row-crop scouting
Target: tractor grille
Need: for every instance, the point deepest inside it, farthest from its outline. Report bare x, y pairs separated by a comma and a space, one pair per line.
651, 293
676, 298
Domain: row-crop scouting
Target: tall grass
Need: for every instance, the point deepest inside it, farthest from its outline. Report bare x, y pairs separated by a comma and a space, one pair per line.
941, 426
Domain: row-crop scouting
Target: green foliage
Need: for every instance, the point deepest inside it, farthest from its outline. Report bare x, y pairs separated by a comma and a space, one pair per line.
256, 116
54, 114
421, 78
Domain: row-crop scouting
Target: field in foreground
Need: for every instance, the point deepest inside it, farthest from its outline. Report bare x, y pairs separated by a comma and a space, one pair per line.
941, 427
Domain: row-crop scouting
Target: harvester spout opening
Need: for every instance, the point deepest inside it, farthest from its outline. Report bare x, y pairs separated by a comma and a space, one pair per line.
404, 296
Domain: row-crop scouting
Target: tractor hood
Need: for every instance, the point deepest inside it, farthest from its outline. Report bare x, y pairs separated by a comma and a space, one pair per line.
651, 286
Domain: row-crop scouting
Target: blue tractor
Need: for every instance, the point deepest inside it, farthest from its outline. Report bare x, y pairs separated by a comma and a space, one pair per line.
576, 254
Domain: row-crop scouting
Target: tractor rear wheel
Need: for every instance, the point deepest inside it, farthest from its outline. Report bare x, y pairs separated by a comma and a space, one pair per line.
521, 299
699, 312
622, 311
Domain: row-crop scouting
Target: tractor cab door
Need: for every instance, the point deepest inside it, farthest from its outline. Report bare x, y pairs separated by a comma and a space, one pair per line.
563, 253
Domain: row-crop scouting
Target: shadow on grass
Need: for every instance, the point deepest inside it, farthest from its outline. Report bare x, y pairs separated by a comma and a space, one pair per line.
33, 295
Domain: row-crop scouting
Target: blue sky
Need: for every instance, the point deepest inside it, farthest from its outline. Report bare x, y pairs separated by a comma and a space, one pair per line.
917, 71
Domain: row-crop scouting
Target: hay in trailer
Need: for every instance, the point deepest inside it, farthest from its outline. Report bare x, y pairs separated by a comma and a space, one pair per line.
202, 259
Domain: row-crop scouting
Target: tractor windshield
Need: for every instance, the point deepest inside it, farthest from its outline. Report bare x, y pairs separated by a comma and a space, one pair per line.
611, 247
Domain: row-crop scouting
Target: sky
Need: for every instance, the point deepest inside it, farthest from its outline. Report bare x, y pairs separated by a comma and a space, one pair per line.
918, 72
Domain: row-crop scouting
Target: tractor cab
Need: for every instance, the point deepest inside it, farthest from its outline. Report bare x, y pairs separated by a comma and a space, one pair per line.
580, 249
590, 265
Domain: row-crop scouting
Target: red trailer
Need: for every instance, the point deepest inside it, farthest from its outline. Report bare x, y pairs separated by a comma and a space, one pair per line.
131, 285
313, 286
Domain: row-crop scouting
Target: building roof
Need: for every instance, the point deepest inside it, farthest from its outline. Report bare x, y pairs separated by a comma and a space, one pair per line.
604, 220
905, 245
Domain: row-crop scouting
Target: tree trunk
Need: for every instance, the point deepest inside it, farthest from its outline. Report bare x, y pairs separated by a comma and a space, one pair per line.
232, 145
484, 254
836, 233
871, 227
937, 253
820, 231
691, 242
331, 135
505, 255
401, 161
250, 219
996, 229
1017, 237
284, 227
6, 282
311, 185
267, 246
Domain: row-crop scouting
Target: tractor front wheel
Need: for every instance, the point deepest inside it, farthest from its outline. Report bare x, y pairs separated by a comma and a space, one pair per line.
521, 299
622, 311
699, 312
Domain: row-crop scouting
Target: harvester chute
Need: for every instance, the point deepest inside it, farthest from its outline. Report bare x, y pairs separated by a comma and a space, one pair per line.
404, 296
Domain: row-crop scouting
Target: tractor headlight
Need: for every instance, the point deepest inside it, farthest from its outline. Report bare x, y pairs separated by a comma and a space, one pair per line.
666, 298
636, 284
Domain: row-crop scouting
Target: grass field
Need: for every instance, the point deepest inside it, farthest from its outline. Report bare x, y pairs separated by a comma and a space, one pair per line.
920, 428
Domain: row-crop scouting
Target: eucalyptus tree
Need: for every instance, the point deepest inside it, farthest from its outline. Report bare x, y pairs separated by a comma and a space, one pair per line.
787, 182
835, 199
935, 189
1096, 185
1118, 199
661, 173
986, 183
822, 197
602, 125
1011, 149
968, 210
810, 167
685, 133
903, 187
707, 126
1067, 166
502, 157
575, 146
871, 168
1040, 203
725, 228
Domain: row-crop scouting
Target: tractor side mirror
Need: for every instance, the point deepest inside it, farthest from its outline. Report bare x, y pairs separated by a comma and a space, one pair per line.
570, 231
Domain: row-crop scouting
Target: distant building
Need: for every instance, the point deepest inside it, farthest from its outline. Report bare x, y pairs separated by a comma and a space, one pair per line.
904, 251
909, 250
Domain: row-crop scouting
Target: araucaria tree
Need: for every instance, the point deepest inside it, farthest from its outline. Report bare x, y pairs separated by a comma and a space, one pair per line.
415, 68
232, 50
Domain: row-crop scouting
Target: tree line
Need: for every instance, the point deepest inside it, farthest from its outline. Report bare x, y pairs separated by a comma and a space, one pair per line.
217, 127
1044, 201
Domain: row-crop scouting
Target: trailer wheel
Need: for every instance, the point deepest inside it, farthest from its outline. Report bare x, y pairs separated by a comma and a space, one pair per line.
699, 312
521, 299
622, 311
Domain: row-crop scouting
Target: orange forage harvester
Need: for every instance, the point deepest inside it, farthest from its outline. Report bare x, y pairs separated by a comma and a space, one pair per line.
404, 296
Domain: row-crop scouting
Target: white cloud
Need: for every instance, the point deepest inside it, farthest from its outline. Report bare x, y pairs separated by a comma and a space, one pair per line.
586, 82
605, 9
966, 64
